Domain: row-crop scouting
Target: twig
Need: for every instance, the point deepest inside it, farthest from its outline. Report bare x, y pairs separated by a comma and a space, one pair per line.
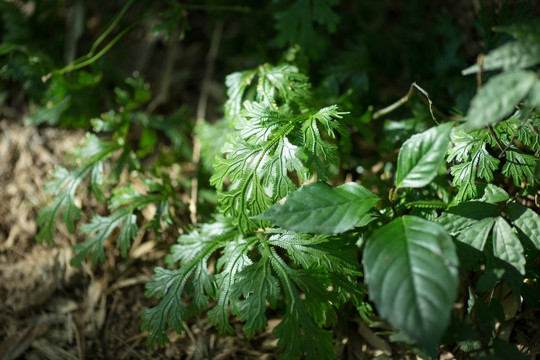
201, 114
387, 110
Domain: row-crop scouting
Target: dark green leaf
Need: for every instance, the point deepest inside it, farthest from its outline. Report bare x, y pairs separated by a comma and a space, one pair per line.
526, 220
321, 209
506, 245
411, 271
477, 233
466, 214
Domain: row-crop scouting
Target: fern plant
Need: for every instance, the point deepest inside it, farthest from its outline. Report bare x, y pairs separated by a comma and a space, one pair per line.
277, 142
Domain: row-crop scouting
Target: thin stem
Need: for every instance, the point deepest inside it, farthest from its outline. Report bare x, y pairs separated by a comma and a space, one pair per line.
78, 65
414, 86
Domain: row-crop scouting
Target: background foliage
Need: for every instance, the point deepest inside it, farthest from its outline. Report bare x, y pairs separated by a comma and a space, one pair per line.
294, 195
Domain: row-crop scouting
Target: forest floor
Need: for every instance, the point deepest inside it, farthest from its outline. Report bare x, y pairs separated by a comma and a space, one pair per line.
52, 310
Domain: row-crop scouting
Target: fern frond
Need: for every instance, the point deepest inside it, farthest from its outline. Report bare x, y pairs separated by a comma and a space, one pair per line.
125, 201
475, 162
65, 184
192, 253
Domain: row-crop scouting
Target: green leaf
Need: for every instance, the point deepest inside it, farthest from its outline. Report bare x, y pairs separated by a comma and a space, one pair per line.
257, 285
65, 183
237, 84
300, 22
51, 113
513, 55
475, 162
526, 221
491, 193
98, 231
297, 331
520, 166
321, 209
421, 156
498, 97
522, 30
506, 245
233, 260
477, 233
411, 271
466, 214
192, 251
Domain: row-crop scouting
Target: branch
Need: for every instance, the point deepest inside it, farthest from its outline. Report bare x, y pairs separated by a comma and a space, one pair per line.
387, 110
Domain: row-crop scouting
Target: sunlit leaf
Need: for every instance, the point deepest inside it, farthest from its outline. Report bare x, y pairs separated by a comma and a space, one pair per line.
421, 156
499, 96
321, 209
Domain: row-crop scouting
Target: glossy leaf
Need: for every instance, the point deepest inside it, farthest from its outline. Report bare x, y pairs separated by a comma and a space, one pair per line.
411, 271
506, 245
421, 157
321, 209
492, 194
499, 96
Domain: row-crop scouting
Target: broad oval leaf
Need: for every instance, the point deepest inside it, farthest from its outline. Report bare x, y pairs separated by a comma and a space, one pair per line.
321, 209
506, 245
421, 156
411, 271
498, 97
512, 55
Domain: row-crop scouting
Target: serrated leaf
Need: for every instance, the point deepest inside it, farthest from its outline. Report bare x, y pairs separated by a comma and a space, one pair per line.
526, 220
257, 285
46, 219
476, 162
237, 84
411, 271
506, 245
477, 233
169, 285
498, 97
297, 332
321, 209
333, 254
464, 215
520, 166
421, 156
98, 231
233, 260
518, 54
